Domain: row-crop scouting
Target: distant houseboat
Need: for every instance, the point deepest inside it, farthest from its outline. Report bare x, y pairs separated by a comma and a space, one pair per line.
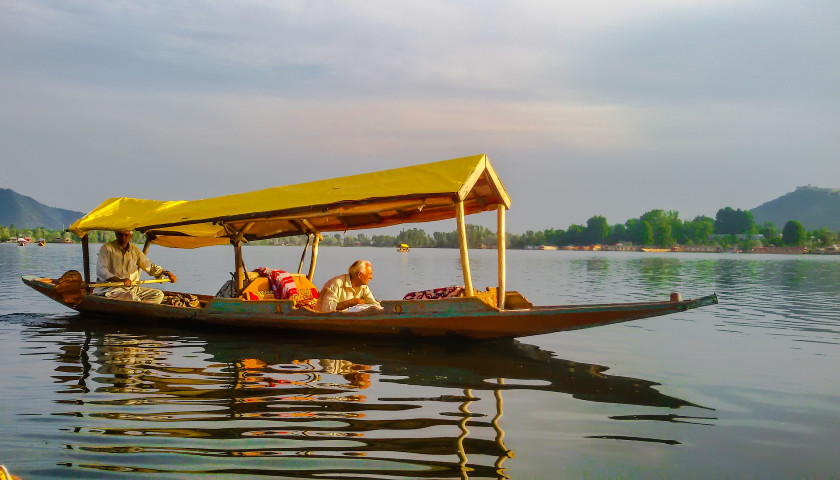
403, 247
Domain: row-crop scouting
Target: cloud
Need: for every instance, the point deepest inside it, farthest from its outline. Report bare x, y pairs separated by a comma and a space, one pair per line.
748, 50
604, 107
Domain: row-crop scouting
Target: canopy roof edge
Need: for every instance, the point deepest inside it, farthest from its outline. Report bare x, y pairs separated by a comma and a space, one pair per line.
414, 194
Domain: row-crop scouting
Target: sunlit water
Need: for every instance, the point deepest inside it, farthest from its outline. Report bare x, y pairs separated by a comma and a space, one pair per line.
745, 389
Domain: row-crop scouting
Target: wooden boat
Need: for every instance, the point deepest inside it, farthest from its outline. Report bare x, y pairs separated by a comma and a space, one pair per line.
403, 247
421, 193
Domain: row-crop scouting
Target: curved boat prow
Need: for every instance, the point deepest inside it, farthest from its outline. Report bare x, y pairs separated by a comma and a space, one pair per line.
703, 301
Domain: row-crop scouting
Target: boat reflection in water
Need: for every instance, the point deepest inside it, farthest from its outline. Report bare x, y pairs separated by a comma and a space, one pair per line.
161, 403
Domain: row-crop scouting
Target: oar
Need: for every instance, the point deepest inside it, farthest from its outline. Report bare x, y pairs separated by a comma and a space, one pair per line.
71, 287
121, 284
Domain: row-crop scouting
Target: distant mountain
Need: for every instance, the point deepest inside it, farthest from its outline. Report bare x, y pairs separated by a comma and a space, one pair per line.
26, 212
814, 207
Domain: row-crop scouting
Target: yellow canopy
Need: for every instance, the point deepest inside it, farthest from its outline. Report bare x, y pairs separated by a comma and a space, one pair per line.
420, 193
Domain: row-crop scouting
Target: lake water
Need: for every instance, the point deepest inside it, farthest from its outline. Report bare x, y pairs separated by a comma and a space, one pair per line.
745, 389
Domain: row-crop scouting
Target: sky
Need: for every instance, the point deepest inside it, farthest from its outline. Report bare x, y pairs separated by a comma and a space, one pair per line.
609, 108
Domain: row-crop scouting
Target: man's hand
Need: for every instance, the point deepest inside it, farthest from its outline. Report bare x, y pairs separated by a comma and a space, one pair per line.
349, 303
171, 276
127, 282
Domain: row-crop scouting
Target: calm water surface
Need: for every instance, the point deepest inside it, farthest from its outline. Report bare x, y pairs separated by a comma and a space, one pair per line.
745, 389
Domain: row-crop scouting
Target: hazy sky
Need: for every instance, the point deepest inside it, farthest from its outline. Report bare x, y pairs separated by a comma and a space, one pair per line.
585, 108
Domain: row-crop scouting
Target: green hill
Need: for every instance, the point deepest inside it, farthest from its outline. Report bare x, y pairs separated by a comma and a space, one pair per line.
26, 212
814, 207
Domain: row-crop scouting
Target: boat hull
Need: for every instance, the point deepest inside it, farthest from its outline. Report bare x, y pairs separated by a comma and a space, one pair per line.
468, 317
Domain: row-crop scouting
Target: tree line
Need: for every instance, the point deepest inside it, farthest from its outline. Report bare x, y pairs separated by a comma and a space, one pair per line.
656, 228
664, 229
659, 228
10, 232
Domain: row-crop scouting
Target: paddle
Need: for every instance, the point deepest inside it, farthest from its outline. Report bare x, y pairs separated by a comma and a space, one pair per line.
71, 287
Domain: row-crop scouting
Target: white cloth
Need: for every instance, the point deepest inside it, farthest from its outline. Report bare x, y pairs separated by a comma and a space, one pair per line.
359, 308
114, 262
340, 289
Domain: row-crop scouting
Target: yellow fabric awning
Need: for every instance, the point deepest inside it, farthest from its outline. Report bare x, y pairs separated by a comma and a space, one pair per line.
420, 193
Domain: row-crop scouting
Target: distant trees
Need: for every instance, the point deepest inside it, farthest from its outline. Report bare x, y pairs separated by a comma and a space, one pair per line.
794, 233
415, 237
645, 233
734, 222
597, 230
11, 233
824, 237
699, 231
772, 236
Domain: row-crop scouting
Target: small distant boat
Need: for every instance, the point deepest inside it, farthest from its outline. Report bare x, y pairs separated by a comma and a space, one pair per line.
645, 249
22, 242
42, 242
403, 247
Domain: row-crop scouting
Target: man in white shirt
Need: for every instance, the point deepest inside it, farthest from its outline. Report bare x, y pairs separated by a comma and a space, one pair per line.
348, 290
121, 261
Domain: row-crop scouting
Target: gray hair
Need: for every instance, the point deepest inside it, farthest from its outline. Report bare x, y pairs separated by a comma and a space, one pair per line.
357, 267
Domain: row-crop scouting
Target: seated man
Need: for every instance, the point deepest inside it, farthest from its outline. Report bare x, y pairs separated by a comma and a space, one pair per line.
345, 291
121, 261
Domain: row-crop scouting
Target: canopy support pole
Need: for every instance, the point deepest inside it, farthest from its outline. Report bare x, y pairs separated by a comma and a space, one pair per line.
237, 273
303, 254
86, 258
147, 245
501, 245
315, 243
462, 243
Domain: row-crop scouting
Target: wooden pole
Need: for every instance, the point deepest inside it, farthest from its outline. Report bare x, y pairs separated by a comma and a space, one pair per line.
315, 243
303, 254
147, 245
501, 242
86, 258
462, 243
237, 272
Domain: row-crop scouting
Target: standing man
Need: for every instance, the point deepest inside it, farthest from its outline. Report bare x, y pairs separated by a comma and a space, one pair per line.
121, 261
347, 290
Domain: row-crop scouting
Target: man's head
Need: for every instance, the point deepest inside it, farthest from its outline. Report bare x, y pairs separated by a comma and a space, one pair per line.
124, 237
361, 272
